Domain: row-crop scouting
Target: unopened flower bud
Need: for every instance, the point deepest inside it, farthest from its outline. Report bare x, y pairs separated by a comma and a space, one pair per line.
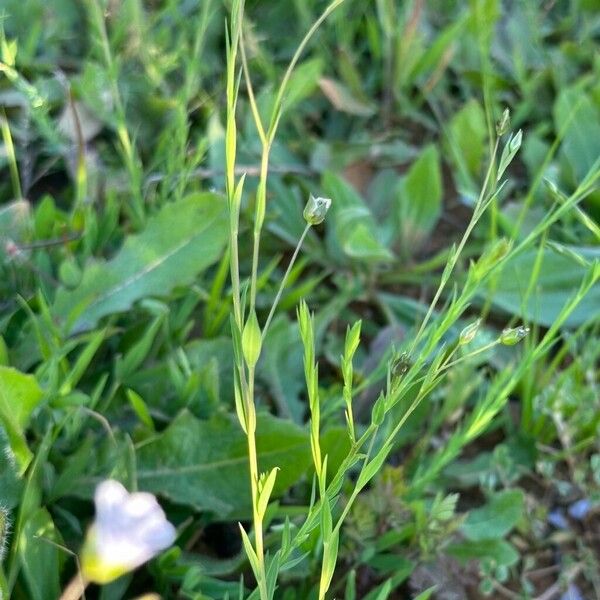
515, 142
401, 365
468, 334
513, 335
503, 123
316, 209
491, 257
378, 412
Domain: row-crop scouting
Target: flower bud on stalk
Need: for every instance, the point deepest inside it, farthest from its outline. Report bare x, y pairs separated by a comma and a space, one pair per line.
467, 335
316, 209
513, 335
503, 123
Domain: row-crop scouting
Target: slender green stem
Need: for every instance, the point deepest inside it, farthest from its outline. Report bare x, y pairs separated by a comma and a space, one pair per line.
261, 194
284, 281
254, 476
234, 266
234, 196
286, 78
457, 253
251, 97
261, 201
470, 355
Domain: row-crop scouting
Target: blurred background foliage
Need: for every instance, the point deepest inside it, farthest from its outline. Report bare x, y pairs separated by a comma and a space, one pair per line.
115, 299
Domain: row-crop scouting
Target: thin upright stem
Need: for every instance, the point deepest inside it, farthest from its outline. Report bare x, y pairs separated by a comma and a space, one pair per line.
254, 476
261, 200
234, 267
457, 253
288, 74
284, 281
251, 97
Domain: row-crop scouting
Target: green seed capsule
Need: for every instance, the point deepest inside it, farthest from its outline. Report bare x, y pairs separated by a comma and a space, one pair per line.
316, 209
502, 125
513, 335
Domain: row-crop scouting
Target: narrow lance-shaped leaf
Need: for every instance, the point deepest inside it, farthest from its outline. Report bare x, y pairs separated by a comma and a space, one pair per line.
510, 149
265, 489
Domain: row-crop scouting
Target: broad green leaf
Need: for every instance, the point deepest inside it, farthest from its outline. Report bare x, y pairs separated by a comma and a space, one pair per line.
335, 444
466, 138
559, 278
581, 142
180, 241
500, 551
30, 504
354, 233
20, 394
204, 464
360, 241
420, 198
496, 518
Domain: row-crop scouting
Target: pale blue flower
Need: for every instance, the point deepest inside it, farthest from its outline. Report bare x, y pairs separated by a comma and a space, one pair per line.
129, 530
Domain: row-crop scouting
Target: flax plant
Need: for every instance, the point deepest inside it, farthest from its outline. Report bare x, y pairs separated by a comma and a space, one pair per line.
246, 331
414, 373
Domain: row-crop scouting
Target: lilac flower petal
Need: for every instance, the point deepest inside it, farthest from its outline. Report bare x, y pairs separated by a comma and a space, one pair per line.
130, 528
557, 519
578, 510
572, 593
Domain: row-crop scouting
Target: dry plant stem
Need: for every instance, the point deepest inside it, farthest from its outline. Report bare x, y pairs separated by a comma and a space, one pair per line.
555, 589
75, 589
